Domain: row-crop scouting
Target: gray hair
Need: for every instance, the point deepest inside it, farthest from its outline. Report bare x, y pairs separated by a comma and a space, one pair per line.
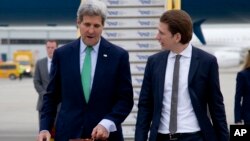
92, 8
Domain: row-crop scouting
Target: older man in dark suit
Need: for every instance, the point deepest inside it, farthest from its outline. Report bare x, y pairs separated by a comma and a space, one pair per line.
41, 75
180, 84
91, 78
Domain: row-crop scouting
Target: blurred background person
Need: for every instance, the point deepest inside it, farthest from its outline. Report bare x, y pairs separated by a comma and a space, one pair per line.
242, 95
41, 75
21, 70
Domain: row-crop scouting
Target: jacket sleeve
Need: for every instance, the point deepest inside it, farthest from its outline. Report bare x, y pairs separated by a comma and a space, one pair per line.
216, 103
37, 80
125, 100
52, 98
240, 88
145, 107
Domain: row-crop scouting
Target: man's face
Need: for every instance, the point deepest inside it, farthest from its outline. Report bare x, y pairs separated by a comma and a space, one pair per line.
165, 37
50, 47
91, 28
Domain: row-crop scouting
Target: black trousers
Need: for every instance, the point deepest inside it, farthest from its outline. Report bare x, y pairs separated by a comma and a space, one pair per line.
197, 136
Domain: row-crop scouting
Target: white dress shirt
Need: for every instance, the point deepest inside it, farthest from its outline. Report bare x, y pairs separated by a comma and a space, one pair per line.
108, 124
186, 118
49, 64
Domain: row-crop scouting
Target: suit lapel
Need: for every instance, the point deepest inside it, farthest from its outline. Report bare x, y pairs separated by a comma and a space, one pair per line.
193, 65
74, 64
101, 64
162, 73
75, 60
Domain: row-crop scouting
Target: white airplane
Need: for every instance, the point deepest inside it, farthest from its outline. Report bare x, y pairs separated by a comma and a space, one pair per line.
228, 42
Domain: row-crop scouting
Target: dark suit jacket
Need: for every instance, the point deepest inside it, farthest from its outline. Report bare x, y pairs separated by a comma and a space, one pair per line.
242, 97
111, 95
204, 90
41, 80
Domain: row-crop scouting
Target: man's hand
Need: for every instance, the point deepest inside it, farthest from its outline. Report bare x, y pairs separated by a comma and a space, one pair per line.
44, 136
100, 133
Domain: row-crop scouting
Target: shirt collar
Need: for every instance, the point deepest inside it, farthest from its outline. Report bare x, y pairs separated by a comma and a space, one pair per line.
187, 52
84, 46
49, 59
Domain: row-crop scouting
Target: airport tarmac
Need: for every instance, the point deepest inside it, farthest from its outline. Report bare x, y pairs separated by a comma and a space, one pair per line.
19, 121
19, 118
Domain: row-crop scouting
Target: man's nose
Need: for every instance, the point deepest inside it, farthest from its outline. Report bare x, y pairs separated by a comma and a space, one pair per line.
91, 29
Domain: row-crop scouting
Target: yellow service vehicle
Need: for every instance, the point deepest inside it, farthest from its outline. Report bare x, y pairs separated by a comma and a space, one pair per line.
25, 58
9, 70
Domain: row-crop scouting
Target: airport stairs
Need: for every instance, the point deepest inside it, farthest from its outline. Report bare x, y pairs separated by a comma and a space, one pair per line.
132, 24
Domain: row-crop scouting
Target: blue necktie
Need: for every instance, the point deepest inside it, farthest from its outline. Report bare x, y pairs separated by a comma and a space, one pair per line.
86, 73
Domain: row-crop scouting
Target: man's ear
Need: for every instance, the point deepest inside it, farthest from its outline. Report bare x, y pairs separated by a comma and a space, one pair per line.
77, 22
177, 37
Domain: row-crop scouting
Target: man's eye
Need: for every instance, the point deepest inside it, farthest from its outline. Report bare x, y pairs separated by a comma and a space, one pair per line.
86, 24
97, 26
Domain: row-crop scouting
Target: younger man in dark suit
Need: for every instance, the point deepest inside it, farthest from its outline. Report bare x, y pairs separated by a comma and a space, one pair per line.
179, 84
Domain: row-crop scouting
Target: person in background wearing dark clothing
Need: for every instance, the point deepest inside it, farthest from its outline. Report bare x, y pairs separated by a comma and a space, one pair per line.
180, 84
242, 95
91, 79
41, 75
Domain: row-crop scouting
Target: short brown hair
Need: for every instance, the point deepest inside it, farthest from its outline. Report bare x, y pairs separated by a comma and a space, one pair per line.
178, 21
52, 40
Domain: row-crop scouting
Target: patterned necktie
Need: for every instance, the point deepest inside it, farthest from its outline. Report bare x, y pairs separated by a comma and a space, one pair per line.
86, 73
174, 99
